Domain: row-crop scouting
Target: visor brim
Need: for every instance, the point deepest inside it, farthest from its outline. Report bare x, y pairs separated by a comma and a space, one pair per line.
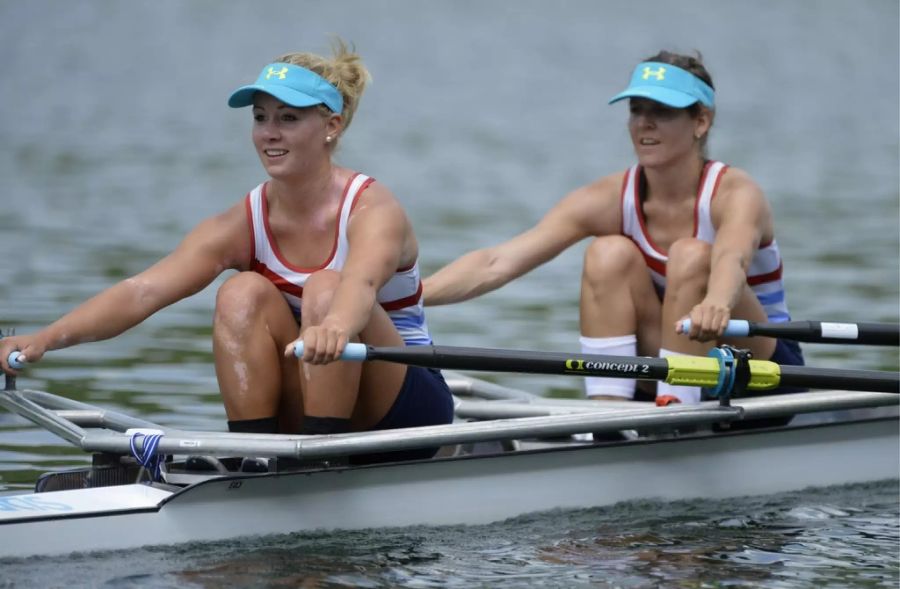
243, 96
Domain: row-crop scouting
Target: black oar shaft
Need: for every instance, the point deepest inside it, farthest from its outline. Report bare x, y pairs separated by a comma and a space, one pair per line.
459, 358
836, 378
873, 334
639, 368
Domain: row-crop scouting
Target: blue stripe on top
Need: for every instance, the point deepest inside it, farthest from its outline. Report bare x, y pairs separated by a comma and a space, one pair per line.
771, 298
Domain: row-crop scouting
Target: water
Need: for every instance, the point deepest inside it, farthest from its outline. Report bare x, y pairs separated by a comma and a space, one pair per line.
116, 141
824, 538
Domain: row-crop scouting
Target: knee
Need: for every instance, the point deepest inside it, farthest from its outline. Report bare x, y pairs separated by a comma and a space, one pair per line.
689, 261
318, 293
240, 298
610, 257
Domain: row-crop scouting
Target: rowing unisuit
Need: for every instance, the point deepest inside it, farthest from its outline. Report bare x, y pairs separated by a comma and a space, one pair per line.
401, 296
765, 273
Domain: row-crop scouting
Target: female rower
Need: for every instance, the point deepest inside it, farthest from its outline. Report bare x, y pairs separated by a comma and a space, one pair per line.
675, 236
323, 253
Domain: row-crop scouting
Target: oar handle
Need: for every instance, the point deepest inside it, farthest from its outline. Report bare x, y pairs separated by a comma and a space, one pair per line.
14, 362
356, 352
735, 328
822, 332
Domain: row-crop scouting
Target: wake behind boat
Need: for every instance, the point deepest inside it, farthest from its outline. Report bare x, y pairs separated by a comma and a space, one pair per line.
508, 453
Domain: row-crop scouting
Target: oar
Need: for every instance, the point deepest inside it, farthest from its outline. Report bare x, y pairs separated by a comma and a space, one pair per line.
676, 370
874, 334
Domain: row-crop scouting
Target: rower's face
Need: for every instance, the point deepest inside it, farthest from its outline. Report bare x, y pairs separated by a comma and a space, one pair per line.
660, 133
288, 140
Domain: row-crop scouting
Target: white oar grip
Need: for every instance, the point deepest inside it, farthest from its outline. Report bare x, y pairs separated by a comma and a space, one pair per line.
14, 362
355, 352
735, 328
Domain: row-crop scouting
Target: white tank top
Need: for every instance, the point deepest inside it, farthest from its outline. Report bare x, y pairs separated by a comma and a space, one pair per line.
765, 273
401, 296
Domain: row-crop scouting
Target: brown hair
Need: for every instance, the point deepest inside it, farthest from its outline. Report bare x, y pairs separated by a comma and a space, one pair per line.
344, 69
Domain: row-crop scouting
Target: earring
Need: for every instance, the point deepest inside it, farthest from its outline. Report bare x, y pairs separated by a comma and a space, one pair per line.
697, 137
328, 139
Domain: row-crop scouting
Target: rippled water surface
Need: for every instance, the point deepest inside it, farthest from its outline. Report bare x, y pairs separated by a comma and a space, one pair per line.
835, 537
116, 141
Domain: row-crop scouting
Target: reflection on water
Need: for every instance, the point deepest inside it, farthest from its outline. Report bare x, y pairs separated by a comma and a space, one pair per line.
116, 141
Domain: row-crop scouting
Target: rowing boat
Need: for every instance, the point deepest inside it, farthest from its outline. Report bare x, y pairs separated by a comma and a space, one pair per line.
508, 453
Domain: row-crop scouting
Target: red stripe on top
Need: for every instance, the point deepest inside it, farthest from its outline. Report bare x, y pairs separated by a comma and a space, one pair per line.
404, 302
657, 266
640, 211
762, 245
716, 184
407, 268
249, 209
697, 199
763, 278
280, 282
353, 205
274, 244
622, 203
359, 192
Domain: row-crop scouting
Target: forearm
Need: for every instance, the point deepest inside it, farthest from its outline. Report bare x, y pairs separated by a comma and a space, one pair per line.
105, 315
468, 277
351, 307
726, 281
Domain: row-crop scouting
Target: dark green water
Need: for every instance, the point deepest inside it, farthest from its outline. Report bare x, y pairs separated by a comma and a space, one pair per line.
116, 141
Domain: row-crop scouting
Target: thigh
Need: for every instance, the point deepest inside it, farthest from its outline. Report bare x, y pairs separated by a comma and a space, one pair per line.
253, 323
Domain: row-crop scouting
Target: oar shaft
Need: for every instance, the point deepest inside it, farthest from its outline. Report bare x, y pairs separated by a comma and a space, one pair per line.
676, 370
494, 360
460, 358
873, 334
836, 378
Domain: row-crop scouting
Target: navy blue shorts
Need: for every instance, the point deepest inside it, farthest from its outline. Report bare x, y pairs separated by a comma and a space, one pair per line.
424, 399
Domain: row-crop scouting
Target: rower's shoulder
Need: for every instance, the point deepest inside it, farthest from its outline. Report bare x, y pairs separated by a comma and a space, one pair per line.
737, 179
605, 189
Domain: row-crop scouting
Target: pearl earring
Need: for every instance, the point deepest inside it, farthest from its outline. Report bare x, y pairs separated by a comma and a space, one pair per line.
328, 139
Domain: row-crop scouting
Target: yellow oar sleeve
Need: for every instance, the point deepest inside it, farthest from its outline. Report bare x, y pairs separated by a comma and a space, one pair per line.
699, 371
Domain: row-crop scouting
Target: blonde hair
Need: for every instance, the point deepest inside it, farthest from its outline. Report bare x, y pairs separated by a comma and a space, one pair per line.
345, 70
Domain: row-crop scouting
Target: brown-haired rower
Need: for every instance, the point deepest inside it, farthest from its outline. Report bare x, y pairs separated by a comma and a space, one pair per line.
677, 235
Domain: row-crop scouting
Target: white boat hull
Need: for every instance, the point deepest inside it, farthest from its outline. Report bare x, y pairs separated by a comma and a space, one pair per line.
451, 491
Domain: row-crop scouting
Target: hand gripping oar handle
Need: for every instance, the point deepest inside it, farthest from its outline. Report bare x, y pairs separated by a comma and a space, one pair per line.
356, 352
14, 362
676, 370
873, 334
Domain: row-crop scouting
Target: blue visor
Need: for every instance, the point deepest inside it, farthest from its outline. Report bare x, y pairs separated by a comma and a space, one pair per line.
292, 85
667, 84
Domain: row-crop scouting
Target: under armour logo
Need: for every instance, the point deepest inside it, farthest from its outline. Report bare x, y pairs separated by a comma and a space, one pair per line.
282, 73
659, 73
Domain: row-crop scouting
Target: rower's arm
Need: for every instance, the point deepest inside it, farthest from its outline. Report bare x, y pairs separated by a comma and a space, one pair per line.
744, 221
215, 245
590, 210
378, 234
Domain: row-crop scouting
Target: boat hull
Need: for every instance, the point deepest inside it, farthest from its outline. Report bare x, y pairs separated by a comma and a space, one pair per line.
474, 489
